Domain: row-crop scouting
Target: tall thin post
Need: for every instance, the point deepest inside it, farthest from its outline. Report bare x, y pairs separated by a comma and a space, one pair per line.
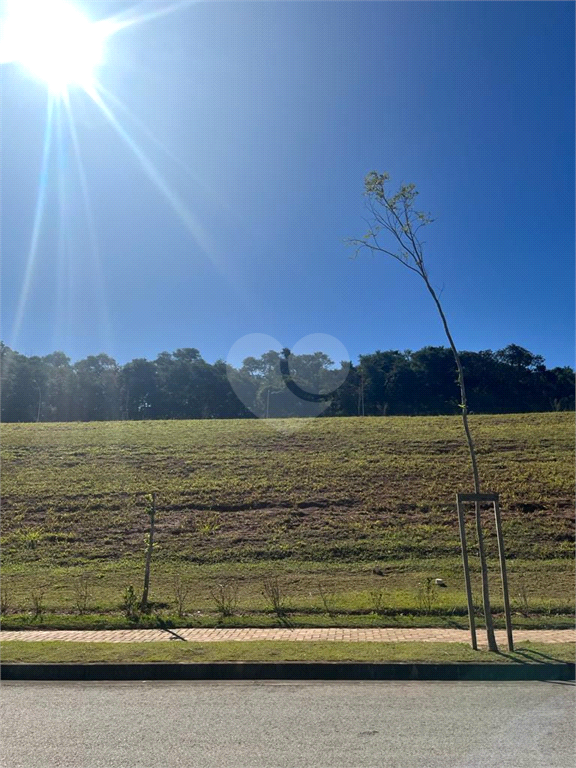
152, 513
503, 574
484, 572
466, 566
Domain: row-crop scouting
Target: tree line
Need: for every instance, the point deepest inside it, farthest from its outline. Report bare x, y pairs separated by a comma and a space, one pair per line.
182, 385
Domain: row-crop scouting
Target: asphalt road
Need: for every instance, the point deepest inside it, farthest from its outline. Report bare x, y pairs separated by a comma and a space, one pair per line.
287, 725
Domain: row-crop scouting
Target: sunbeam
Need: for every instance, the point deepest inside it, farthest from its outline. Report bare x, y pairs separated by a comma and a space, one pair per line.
132, 16
172, 198
104, 92
65, 277
38, 214
92, 236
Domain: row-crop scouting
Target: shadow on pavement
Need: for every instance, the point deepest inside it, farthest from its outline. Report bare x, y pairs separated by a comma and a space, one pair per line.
561, 682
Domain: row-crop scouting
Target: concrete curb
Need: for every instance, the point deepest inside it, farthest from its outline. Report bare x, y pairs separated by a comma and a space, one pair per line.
287, 671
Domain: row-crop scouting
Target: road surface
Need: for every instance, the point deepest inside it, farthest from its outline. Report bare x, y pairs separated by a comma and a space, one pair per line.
287, 725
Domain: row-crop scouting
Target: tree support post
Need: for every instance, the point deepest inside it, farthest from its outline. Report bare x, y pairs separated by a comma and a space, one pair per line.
471, 619
503, 573
477, 499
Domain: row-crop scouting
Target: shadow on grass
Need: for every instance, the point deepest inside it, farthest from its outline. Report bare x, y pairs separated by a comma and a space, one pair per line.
538, 656
451, 624
509, 656
530, 656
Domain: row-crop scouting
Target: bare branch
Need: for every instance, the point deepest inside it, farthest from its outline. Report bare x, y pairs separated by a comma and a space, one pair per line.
360, 244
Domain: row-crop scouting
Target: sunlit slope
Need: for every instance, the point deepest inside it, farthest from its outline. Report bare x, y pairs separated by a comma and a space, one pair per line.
322, 488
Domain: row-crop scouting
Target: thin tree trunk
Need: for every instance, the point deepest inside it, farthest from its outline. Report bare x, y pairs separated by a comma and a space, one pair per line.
464, 408
144, 603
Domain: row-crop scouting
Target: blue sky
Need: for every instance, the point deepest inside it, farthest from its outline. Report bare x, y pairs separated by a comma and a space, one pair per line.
259, 122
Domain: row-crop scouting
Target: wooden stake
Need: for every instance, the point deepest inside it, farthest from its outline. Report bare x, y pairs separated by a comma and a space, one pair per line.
503, 574
471, 618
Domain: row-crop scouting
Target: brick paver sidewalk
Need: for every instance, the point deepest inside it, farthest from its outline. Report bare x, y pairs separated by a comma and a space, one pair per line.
332, 634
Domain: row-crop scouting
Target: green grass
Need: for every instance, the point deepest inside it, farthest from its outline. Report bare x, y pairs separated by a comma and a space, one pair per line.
318, 502
353, 594
256, 650
400, 621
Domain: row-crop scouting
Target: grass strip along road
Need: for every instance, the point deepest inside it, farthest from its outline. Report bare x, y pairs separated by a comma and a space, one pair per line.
276, 651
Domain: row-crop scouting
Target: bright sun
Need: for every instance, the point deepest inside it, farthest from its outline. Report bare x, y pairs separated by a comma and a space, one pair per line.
54, 41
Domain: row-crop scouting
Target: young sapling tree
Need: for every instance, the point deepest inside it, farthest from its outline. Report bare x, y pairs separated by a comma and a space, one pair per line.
151, 509
393, 217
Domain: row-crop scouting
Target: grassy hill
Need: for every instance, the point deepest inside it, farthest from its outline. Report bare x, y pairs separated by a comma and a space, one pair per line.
316, 502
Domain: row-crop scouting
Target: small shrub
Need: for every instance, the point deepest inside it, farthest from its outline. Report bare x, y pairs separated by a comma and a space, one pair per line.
377, 601
180, 590
272, 591
208, 523
37, 595
82, 593
225, 597
4, 598
427, 596
31, 537
328, 600
130, 603
522, 599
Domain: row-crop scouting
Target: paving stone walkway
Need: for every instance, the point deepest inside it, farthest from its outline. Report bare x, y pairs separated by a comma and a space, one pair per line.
330, 634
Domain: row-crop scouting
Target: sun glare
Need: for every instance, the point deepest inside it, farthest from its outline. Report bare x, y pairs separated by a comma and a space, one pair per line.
54, 41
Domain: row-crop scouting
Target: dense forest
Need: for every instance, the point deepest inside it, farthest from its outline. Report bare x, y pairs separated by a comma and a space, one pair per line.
182, 385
